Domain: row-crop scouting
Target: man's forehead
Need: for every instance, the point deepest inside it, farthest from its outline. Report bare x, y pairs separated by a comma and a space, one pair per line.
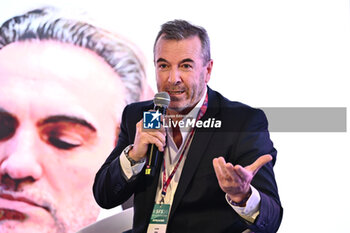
59, 74
189, 48
50, 55
194, 40
61, 61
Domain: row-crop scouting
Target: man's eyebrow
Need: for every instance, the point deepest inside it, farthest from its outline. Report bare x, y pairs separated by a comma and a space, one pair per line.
68, 119
182, 61
187, 60
161, 60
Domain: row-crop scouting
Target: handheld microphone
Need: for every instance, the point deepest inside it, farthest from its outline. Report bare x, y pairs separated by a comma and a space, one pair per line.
161, 101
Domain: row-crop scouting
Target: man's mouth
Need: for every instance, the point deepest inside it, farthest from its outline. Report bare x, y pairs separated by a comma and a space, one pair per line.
7, 214
175, 92
11, 197
11, 206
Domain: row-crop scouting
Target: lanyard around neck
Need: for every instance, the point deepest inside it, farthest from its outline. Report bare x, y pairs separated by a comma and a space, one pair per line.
166, 182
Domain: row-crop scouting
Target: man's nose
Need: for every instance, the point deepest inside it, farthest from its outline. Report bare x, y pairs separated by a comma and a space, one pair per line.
20, 159
174, 76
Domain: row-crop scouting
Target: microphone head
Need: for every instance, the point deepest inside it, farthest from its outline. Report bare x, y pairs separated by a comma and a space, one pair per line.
161, 99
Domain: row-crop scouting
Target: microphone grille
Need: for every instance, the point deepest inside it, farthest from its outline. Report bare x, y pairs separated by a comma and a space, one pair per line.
161, 99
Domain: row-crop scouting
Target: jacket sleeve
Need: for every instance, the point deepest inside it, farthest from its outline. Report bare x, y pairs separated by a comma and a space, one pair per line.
110, 188
254, 141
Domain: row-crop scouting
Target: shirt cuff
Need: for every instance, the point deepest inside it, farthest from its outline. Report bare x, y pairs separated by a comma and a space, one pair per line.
128, 170
251, 211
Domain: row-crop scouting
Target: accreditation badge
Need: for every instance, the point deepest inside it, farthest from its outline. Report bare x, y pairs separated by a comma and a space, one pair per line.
159, 218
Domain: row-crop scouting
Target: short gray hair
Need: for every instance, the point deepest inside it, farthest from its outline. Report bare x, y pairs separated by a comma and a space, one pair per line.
181, 29
45, 24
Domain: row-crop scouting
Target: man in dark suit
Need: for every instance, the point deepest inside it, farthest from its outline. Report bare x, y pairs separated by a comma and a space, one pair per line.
193, 190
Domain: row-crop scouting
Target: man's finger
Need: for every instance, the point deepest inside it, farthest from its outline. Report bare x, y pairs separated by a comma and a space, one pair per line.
232, 171
241, 172
261, 161
228, 170
221, 164
225, 171
217, 169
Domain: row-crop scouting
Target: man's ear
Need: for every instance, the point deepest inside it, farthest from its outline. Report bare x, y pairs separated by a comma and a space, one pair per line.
209, 67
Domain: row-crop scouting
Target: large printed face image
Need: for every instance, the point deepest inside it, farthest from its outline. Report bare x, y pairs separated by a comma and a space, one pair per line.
62, 93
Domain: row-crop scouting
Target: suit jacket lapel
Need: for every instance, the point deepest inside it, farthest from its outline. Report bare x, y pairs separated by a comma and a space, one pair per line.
196, 150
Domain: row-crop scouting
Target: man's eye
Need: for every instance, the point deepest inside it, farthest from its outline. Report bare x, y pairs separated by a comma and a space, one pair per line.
61, 138
162, 66
66, 135
8, 125
186, 66
62, 143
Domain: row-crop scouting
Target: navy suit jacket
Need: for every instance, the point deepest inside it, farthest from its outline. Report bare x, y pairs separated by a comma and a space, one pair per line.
199, 204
